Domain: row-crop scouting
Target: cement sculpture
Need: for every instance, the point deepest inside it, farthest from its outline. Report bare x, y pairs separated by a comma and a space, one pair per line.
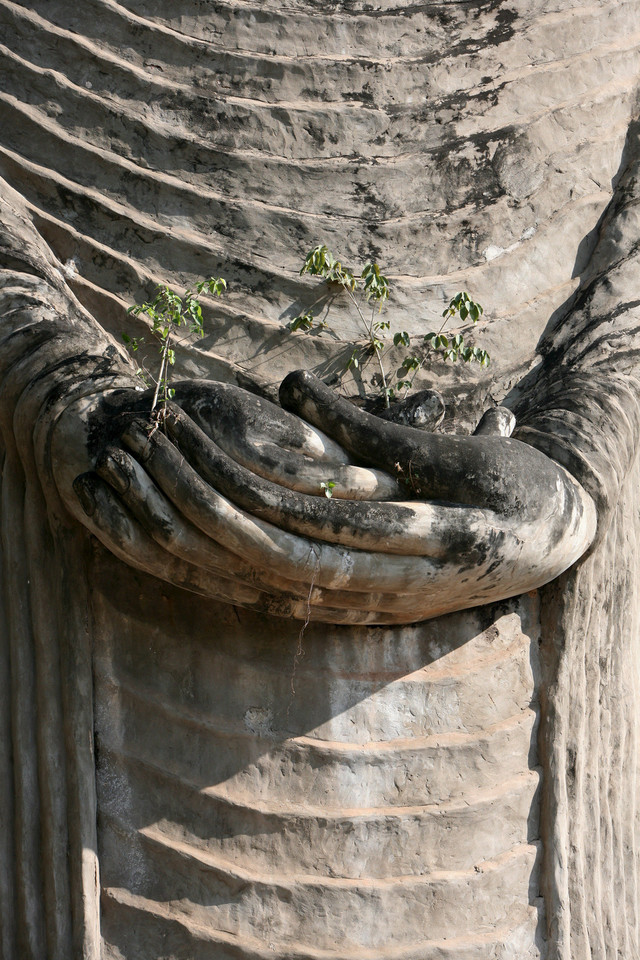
236, 722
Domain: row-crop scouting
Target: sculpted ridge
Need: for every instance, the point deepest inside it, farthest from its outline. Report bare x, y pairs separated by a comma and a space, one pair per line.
227, 728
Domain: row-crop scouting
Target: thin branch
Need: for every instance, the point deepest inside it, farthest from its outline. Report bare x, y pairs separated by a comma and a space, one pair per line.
368, 326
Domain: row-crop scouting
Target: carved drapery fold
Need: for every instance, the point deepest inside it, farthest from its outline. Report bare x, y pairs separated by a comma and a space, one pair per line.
579, 406
35, 393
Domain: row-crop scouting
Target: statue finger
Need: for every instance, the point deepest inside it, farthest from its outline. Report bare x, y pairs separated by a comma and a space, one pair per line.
277, 445
180, 538
491, 472
496, 422
103, 513
408, 528
496, 556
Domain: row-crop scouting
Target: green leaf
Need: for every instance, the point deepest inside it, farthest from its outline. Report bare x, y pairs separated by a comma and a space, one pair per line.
376, 286
464, 306
318, 261
401, 339
353, 361
215, 285
350, 280
411, 363
481, 356
328, 487
303, 321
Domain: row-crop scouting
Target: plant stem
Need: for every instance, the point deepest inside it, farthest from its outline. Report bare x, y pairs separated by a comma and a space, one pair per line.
368, 326
162, 376
383, 375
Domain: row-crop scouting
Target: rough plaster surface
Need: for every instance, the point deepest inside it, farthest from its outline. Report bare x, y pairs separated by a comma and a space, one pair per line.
393, 810
458, 145
374, 794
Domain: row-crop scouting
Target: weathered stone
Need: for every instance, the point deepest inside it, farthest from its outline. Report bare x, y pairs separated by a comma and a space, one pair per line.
227, 729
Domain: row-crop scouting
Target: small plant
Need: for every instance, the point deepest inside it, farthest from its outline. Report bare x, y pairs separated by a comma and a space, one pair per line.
451, 347
167, 312
303, 322
371, 287
327, 487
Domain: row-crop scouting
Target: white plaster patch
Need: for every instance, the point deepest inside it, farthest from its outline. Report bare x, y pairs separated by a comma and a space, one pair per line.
492, 252
70, 269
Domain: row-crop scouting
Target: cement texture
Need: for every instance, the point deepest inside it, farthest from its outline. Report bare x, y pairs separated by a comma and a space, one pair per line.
241, 719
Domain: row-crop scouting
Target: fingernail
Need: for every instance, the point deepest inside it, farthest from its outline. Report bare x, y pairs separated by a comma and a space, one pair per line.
109, 467
82, 490
136, 437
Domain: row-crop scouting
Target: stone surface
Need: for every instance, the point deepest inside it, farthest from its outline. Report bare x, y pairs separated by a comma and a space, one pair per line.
265, 789
316, 806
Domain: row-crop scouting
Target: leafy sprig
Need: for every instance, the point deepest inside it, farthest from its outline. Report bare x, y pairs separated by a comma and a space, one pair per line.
371, 287
168, 311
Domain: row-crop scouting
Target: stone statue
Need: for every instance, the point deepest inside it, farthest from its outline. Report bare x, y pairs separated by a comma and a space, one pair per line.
241, 718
